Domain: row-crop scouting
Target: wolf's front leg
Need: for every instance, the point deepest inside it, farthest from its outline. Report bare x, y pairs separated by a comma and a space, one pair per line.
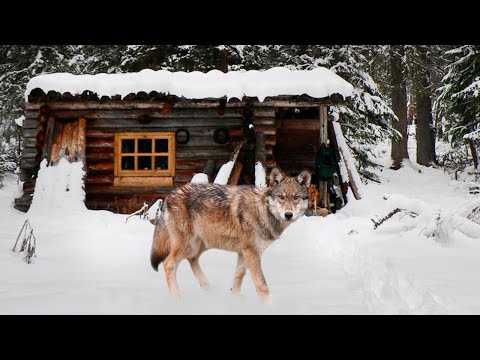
240, 272
254, 265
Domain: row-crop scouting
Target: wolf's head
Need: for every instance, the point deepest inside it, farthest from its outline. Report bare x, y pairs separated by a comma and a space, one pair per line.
288, 197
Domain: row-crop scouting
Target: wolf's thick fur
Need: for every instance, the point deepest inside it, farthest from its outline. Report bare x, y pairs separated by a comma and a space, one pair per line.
242, 219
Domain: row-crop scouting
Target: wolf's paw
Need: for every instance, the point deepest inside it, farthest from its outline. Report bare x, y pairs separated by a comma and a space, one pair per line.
206, 286
267, 299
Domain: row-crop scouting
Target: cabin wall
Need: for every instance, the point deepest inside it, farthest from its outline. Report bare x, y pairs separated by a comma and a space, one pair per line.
102, 124
200, 119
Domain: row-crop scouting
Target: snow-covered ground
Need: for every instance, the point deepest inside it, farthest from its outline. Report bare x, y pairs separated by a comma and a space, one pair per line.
92, 262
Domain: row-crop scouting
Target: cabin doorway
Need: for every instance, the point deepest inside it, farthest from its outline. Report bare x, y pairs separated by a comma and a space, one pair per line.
298, 137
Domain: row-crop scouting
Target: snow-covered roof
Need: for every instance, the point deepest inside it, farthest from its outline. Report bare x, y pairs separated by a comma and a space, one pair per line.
318, 83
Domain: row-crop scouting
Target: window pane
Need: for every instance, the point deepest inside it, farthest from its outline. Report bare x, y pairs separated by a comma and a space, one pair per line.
161, 145
128, 163
161, 162
128, 146
144, 163
145, 145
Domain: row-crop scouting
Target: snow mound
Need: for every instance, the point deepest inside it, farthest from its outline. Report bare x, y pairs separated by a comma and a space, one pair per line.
318, 83
59, 189
200, 178
224, 173
260, 176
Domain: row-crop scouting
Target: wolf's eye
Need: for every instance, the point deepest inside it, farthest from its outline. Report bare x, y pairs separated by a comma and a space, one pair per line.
281, 197
296, 197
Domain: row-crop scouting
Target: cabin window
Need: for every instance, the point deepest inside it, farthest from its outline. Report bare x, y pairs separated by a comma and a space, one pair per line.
144, 159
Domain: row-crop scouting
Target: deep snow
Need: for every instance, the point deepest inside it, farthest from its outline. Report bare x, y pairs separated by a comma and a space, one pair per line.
92, 262
319, 82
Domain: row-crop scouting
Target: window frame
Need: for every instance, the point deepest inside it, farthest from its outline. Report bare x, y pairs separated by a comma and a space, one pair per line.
153, 173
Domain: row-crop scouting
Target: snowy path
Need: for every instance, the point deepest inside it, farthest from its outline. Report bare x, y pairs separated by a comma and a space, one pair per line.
91, 262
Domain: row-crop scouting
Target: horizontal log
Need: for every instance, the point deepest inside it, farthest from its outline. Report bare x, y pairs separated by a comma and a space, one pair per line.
99, 179
152, 181
30, 133
264, 112
28, 164
30, 123
199, 104
103, 190
162, 124
101, 167
29, 151
144, 115
27, 174
100, 142
267, 130
100, 134
264, 121
271, 140
198, 152
301, 124
99, 157
30, 142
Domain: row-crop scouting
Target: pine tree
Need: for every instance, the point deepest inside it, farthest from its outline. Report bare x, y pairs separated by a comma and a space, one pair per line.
460, 97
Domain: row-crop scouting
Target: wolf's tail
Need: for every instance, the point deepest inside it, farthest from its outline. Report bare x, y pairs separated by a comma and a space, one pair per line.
160, 245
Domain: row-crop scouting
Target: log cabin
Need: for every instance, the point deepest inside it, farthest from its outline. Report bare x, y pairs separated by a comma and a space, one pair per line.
141, 135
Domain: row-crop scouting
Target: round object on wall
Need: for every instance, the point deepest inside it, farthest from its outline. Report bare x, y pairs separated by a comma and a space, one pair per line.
221, 136
182, 136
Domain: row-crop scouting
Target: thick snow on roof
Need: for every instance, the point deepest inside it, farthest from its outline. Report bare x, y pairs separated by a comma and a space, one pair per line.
318, 83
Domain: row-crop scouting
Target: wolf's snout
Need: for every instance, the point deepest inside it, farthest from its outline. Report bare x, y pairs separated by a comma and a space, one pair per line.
288, 215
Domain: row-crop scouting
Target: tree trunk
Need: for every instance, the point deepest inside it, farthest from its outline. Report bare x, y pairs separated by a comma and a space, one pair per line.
474, 152
425, 134
399, 106
425, 127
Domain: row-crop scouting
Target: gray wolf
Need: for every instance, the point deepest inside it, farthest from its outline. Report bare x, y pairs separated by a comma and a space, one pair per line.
242, 219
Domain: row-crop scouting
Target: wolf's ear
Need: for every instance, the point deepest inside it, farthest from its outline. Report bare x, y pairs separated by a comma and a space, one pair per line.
304, 178
276, 176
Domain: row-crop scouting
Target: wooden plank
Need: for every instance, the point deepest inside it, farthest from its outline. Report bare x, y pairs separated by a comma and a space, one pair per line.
134, 181
235, 174
101, 167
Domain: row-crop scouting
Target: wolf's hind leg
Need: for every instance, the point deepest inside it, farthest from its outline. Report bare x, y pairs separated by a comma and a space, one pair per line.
197, 271
170, 265
254, 265
240, 272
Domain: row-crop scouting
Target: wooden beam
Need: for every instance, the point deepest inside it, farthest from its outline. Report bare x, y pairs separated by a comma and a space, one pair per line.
235, 174
234, 158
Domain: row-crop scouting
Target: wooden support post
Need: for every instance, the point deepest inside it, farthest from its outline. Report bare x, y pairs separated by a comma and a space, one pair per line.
234, 158
323, 186
82, 140
235, 174
49, 138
